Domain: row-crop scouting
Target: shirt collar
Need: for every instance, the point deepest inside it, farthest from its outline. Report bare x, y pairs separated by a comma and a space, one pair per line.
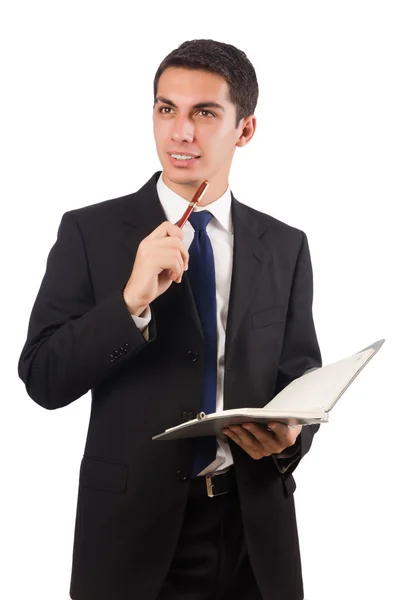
174, 205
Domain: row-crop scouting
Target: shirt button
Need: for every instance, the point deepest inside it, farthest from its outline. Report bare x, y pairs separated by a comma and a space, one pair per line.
182, 475
193, 356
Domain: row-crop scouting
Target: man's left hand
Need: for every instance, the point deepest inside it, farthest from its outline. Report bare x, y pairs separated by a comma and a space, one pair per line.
258, 443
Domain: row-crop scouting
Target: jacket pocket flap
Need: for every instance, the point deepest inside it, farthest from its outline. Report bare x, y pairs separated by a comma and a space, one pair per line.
103, 475
269, 316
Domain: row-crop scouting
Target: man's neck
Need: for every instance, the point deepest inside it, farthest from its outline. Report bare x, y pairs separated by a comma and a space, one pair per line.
187, 190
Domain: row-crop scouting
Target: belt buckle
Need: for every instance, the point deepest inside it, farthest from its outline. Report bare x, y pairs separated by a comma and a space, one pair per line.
210, 485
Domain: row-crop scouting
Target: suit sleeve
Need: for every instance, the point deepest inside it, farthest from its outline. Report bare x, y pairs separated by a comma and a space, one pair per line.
73, 344
300, 352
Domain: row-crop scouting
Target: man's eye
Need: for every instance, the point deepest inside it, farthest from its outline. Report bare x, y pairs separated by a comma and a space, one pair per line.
163, 110
207, 113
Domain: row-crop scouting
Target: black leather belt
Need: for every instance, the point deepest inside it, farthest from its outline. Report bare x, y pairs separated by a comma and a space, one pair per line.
213, 485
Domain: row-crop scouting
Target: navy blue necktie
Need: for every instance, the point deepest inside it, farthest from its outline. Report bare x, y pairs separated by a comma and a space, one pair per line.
201, 273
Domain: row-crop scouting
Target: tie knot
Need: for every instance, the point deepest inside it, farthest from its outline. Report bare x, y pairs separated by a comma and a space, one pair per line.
200, 219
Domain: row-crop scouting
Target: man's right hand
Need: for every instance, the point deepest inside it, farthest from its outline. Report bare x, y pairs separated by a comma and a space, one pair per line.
161, 258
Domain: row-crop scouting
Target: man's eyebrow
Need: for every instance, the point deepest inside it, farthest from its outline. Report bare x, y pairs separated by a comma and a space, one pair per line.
200, 105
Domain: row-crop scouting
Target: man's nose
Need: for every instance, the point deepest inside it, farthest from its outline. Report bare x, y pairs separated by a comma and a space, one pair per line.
183, 130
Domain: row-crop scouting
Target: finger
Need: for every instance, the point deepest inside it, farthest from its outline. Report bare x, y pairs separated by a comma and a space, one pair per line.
167, 258
176, 268
246, 437
185, 255
286, 435
255, 453
182, 269
181, 256
260, 433
277, 427
236, 438
172, 242
266, 440
166, 229
251, 444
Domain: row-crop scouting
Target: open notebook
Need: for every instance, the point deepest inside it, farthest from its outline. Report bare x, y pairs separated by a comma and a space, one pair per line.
306, 400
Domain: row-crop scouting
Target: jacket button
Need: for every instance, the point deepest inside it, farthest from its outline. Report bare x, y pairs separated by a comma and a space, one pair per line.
112, 359
187, 416
126, 347
182, 475
193, 356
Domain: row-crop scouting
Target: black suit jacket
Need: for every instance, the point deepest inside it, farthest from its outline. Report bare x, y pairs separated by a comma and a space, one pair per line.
81, 337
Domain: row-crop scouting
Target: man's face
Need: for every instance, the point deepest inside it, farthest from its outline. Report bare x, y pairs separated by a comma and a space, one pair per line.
194, 117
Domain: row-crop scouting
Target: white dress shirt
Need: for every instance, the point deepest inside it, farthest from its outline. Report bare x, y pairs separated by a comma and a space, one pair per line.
220, 232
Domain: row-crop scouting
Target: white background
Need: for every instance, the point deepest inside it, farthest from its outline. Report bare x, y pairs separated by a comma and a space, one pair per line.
76, 129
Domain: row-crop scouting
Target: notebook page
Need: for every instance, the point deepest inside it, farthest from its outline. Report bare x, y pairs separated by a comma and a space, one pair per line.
319, 389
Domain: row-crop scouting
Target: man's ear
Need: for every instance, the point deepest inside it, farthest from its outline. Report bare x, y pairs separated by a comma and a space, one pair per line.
248, 128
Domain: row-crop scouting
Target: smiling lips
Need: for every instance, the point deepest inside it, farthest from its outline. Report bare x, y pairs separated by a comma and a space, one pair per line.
184, 154
183, 160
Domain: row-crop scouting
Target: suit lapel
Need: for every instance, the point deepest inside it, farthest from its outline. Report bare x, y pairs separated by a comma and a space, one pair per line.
250, 261
143, 214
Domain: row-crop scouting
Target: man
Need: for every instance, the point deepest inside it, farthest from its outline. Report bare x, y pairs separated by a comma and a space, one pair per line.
161, 322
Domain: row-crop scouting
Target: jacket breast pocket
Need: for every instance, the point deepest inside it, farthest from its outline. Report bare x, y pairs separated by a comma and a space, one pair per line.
270, 316
103, 475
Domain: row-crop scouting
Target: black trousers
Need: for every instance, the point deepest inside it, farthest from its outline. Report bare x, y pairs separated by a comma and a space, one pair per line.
211, 560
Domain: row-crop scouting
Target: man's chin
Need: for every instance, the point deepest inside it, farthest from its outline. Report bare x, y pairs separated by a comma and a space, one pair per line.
182, 177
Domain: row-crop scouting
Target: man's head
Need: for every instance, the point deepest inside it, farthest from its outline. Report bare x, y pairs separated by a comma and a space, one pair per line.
205, 94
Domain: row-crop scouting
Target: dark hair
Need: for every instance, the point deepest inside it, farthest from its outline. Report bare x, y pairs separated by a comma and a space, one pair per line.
225, 60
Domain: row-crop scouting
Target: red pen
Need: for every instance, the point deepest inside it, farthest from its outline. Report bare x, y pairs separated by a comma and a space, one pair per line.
195, 200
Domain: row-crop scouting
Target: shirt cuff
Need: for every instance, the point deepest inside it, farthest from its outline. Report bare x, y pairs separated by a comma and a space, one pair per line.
143, 321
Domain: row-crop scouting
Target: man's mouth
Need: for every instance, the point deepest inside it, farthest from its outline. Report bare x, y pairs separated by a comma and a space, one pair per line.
184, 156
183, 161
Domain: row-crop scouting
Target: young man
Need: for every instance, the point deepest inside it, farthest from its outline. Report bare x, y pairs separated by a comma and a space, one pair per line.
161, 322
